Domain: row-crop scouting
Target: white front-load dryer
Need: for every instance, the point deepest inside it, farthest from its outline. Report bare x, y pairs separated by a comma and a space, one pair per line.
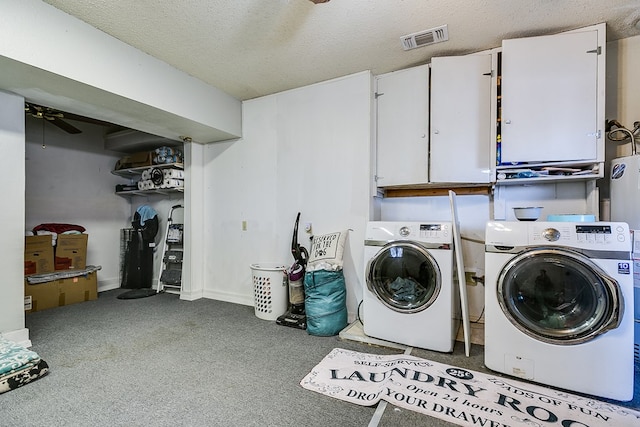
558, 305
409, 297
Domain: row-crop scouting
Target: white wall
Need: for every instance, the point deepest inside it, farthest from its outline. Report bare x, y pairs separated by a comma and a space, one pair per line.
12, 219
305, 150
193, 278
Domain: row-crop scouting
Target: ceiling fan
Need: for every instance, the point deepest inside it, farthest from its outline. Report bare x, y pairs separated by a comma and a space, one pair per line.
55, 117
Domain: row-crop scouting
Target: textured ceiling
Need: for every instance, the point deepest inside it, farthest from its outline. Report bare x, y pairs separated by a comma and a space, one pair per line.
250, 48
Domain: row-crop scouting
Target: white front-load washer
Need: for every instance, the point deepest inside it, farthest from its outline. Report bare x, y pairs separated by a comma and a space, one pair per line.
558, 305
409, 296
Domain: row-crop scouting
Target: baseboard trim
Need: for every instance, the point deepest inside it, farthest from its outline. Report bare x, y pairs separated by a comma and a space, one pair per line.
229, 297
108, 285
190, 296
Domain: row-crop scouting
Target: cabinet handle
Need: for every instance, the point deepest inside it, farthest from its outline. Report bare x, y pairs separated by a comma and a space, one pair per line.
436, 132
507, 122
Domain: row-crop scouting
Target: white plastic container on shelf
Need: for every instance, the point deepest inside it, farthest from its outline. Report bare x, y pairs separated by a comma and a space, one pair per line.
270, 285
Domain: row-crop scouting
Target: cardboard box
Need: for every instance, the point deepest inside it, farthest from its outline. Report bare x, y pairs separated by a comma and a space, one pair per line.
43, 295
71, 252
78, 289
135, 160
57, 293
38, 255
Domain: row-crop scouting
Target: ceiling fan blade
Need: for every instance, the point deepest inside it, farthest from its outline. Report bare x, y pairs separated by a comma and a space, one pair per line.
71, 116
51, 113
55, 117
63, 125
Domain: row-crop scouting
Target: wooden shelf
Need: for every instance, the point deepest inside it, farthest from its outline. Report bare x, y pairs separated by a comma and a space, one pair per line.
440, 189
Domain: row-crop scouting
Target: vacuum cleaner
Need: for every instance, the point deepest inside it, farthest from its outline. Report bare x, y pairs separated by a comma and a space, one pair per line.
295, 316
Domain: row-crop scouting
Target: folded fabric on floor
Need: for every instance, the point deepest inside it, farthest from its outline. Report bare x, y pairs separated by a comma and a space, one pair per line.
14, 356
18, 365
61, 274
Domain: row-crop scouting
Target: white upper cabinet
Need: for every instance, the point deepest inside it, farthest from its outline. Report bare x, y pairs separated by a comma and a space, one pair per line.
552, 97
402, 120
461, 125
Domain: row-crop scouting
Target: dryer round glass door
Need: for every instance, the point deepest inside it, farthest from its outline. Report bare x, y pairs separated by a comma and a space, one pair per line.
558, 296
404, 276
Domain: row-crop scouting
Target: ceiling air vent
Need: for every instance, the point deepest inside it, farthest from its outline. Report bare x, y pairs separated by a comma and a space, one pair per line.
424, 38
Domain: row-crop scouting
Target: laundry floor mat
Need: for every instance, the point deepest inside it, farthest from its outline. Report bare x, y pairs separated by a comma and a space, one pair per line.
457, 395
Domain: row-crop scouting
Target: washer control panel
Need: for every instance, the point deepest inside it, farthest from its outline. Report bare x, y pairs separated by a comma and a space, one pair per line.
582, 235
593, 233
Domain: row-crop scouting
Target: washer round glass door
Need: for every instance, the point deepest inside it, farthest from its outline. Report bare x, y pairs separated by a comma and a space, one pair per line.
404, 276
558, 296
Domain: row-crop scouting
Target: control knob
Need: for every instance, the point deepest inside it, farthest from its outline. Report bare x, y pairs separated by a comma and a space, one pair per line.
551, 234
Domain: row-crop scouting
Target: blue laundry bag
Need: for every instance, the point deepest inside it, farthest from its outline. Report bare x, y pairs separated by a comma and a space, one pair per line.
325, 302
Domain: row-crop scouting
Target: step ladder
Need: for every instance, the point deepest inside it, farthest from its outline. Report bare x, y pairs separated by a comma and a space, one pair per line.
170, 277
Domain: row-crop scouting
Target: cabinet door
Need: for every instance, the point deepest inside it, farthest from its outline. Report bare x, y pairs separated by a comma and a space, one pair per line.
402, 107
549, 98
460, 137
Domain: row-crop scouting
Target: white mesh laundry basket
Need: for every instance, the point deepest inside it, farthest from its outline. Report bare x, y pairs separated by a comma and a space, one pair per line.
269, 290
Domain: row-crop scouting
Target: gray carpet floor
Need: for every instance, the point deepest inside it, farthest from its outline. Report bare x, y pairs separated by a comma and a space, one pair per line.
160, 361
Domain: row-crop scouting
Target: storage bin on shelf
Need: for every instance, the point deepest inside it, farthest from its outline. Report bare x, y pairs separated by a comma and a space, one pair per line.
269, 289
